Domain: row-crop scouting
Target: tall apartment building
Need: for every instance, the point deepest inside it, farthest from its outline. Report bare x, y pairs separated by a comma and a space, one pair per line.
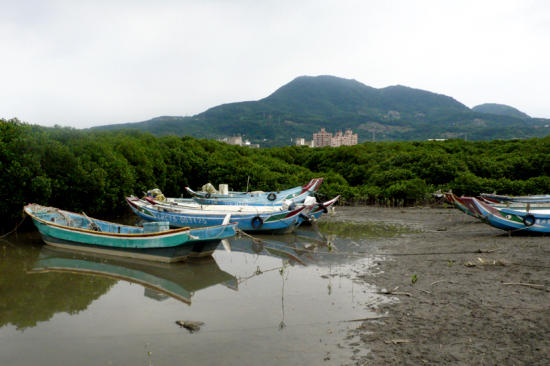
348, 138
324, 138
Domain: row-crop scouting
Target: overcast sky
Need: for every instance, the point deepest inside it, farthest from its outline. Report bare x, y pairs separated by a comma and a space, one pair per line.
88, 63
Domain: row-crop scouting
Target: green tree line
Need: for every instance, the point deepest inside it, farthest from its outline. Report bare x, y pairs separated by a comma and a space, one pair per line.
92, 171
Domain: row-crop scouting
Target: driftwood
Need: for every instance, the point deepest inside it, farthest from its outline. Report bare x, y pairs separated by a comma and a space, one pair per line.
506, 273
361, 320
393, 292
538, 287
486, 251
189, 325
397, 341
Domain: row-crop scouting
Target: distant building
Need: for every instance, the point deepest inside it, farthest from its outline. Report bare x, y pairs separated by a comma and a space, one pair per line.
238, 140
348, 139
323, 138
254, 146
303, 142
235, 140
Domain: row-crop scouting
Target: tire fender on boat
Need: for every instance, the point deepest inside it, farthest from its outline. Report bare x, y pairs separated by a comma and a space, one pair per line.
529, 220
257, 222
208, 195
272, 196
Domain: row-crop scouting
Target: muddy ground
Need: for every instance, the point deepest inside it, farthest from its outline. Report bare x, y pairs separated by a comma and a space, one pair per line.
481, 297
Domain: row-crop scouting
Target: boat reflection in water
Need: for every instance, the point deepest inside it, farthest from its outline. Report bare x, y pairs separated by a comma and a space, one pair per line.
300, 247
160, 280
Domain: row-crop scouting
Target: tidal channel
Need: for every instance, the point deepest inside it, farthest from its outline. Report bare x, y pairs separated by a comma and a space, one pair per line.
267, 300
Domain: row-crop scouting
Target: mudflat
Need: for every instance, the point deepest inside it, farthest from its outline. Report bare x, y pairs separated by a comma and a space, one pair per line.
463, 293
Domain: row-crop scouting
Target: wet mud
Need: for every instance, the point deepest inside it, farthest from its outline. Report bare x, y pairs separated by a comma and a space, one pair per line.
463, 293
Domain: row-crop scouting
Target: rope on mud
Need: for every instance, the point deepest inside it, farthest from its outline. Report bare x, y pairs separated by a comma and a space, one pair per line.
538, 287
332, 250
258, 272
363, 254
442, 199
464, 224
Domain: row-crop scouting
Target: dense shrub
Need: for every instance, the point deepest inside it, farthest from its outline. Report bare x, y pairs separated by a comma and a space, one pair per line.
93, 171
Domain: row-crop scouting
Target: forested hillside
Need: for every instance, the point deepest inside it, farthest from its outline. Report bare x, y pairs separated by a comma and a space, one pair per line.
301, 107
93, 171
500, 109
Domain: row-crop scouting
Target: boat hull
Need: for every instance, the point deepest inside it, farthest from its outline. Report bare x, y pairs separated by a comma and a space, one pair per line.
165, 246
275, 224
297, 194
278, 222
167, 255
509, 219
458, 203
544, 198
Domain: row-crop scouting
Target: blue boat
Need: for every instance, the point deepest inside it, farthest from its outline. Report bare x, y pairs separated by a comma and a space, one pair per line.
265, 219
514, 220
297, 194
543, 198
154, 241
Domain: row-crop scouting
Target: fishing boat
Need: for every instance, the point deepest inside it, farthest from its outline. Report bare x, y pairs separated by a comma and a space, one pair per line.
297, 194
267, 219
458, 203
160, 280
495, 198
154, 241
510, 219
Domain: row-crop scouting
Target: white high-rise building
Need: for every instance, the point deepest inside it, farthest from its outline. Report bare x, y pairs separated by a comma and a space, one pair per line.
324, 138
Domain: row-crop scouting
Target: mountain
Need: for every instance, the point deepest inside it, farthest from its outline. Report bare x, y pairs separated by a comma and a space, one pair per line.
306, 104
500, 109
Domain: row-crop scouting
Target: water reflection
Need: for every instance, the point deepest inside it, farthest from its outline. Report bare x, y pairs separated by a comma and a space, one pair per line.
326, 242
177, 280
373, 230
26, 300
299, 247
295, 295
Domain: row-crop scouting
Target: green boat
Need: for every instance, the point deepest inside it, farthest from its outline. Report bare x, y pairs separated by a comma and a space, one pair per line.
154, 241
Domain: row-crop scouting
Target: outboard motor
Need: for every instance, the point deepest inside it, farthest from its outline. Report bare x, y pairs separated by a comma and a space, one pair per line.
289, 205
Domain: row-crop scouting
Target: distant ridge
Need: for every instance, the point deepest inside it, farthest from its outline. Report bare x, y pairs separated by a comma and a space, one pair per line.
332, 95
308, 103
500, 109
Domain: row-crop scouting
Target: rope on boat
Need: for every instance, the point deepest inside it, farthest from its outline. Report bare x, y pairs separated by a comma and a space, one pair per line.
221, 232
37, 207
254, 239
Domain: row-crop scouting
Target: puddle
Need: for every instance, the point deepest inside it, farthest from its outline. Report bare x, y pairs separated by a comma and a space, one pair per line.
366, 230
271, 300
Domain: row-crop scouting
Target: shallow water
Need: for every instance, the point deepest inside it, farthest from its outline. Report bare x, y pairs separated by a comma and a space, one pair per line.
284, 300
